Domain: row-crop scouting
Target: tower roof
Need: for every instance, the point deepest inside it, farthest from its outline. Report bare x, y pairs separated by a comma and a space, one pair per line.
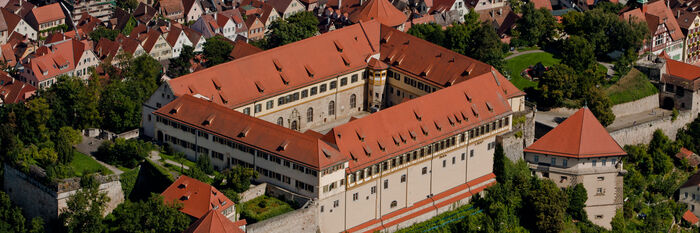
382, 11
579, 136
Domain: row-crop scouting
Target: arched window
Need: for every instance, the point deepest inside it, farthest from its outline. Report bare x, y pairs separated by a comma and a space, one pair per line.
310, 115
353, 101
394, 204
331, 108
280, 121
294, 125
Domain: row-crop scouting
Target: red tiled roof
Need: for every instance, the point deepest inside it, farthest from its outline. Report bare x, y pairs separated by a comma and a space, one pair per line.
151, 39
10, 20
173, 35
682, 69
14, 91
656, 13
228, 123
691, 157
193, 35
213, 222
48, 13
579, 136
87, 22
442, 5
543, 4
197, 197
404, 127
64, 53
239, 77
242, 49
690, 217
280, 5
413, 55
380, 10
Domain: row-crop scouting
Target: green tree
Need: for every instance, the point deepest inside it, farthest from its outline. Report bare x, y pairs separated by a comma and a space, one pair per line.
180, 66
84, 211
127, 153
38, 113
11, 218
128, 5
499, 164
204, 164
73, 103
152, 215
36, 225
577, 53
118, 109
548, 205
216, 50
577, 201
660, 149
556, 85
536, 27
65, 138
197, 173
103, 32
486, 46
429, 31
294, 28
237, 178
601, 106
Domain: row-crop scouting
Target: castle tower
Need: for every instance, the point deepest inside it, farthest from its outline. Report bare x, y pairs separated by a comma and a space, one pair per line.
377, 80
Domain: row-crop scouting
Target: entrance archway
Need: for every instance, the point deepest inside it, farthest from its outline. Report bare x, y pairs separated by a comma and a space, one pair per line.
668, 103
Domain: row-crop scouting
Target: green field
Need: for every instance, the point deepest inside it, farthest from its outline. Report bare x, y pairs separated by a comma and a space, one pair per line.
518, 64
83, 163
263, 207
633, 86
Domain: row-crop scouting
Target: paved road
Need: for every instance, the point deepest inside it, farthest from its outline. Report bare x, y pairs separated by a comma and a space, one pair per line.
516, 53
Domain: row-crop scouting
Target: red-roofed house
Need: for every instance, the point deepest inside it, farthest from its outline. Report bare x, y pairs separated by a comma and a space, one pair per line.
215, 222
690, 25
262, 10
382, 11
666, 35
171, 9
581, 151
229, 25
177, 38
193, 9
46, 17
256, 28
70, 57
13, 91
198, 198
689, 193
678, 82
689, 217
692, 158
96, 8
155, 44
12, 23
287, 8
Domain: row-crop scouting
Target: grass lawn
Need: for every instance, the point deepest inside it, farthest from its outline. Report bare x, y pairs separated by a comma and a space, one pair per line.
186, 161
518, 64
83, 163
263, 207
633, 86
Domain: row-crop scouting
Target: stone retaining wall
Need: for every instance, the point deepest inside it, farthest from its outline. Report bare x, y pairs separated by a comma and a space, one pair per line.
301, 220
637, 106
641, 133
513, 142
252, 193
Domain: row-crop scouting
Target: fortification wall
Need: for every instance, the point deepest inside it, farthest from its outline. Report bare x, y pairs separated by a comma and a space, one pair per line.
637, 106
301, 220
522, 135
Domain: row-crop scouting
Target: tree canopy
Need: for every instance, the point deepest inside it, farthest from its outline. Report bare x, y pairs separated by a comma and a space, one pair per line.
294, 28
152, 215
536, 26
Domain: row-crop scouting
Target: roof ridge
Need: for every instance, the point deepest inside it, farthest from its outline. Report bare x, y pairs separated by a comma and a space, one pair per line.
580, 134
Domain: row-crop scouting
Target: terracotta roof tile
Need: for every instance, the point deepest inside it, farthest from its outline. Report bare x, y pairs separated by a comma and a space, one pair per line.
682, 70
14, 91
579, 136
242, 49
197, 197
272, 138
10, 20
690, 217
213, 222
656, 13
691, 157
173, 35
546, 4
380, 10
48, 13
241, 74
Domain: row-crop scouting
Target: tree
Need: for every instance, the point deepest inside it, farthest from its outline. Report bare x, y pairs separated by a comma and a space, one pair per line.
74, 103
548, 204
216, 50
127, 153
660, 148
118, 110
84, 211
577, 201
204, 164
486, 46
103, 32
429, 31
152, 215
499, 164
11, 218
536, 27
556, 85
577, 53
238, 178
128, 5
64, 141
601, 106
180, 66
294, 28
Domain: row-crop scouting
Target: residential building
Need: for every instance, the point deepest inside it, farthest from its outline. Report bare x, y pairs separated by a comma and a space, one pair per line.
689, 217
581, 151
101, 9
287, 8
145, 13
110, 51
196, 39
45, 18
12, 23
13, 91
256, 29
301, 122
678, 82
692, 158
689, 23
458, 8
218, 24
262, 10
666, 35
193, 10
172, 9
198, 198
689, 193
20, 7
87, 23
155, 44
70, 57
177, 38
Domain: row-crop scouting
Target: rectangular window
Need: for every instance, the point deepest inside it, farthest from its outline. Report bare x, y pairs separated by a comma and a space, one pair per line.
333, 85
602, 162
269, 104
554, 161
353, 79
314, 90
594, 162
386, 184
323, 88
373, 189
444, 163
355, 196
343, 81
537, 159
453, 160
599, 191
258, 108
564, 162
304, 93
471, 153
600, 178
463, 156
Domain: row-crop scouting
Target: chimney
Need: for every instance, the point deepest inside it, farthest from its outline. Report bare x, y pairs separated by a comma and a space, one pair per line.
678, 15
